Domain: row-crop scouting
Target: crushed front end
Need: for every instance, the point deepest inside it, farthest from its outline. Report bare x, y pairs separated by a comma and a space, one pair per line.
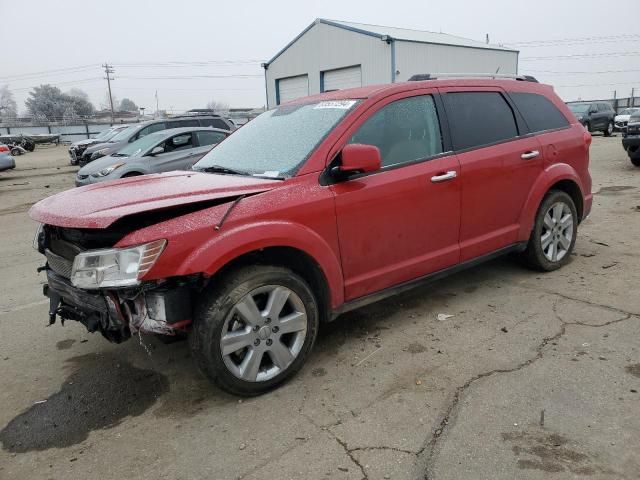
97, 285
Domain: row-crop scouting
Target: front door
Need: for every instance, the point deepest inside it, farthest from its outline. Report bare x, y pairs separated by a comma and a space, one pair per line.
401, 222
179, 153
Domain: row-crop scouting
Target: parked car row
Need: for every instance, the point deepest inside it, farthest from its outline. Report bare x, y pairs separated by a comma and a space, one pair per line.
135, 132
77, 149
316, 207
7, 161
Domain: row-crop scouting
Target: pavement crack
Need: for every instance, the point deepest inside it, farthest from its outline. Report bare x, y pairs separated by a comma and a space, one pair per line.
391, 449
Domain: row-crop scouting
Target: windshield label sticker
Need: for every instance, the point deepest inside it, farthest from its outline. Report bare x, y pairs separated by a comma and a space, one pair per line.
271, 173
340, 104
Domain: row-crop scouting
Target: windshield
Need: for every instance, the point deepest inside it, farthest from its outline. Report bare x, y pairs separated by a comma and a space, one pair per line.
109, 132
629, 111
124, 134
277, 142
140, 146
578, 107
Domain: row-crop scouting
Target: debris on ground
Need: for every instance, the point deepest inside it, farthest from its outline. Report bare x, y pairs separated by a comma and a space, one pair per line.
609, 265
504, 329
443, 316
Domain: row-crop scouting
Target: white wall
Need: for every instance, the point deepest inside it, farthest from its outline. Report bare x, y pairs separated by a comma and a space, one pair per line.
68, 133
413, 58
324, 47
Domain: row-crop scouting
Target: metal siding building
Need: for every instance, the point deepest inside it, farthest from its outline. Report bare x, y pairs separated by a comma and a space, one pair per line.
330, 55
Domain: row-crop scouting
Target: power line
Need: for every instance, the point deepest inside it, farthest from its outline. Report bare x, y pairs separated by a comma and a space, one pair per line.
551, 42
58, 71
59, 84
584, 55
597, 84
554, 72
189, 77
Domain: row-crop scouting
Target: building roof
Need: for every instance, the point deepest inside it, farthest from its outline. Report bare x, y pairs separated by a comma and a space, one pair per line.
401, 34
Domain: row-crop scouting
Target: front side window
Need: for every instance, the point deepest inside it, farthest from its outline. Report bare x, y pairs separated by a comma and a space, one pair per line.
278, 142
209, 138
404, 131
179, 142
578, 108
479, 118
539, 113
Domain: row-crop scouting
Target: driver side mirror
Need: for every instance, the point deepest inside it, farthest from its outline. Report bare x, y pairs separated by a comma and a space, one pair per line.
360, 158
156, 151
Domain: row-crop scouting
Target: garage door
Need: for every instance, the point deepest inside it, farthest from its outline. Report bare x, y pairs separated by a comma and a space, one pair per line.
342, 78
292, 87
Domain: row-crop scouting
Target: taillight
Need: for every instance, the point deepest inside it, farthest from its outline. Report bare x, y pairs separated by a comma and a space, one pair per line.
4, 148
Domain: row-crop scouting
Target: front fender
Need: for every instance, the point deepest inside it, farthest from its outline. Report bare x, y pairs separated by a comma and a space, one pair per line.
550, 176
223, 246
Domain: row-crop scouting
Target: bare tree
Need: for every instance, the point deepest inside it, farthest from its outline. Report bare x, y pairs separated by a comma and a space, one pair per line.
77, 92
128, 105
221, 108
8, 106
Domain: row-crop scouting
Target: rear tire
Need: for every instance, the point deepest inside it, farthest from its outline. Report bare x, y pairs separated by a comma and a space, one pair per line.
635, 161
131, 174
554, 233
267, 319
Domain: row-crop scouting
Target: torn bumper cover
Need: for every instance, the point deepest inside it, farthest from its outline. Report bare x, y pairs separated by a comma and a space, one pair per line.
119, 313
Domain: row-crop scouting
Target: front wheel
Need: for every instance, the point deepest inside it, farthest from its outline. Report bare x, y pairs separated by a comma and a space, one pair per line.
635, 160
609, 130
16, 151
254, 329
554, 233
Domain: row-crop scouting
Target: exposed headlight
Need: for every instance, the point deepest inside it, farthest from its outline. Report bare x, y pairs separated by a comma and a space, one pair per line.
106, 171
115, 267
36, 238
100, 153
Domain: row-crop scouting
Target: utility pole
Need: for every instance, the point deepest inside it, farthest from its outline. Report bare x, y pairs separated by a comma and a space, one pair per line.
108, 70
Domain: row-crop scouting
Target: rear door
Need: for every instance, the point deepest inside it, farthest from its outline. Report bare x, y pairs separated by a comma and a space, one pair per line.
401, 222
498, 164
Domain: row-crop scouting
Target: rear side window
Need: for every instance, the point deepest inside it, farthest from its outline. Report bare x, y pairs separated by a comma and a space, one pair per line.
214, 122
479, 118
183, 123
209, 138
539, 112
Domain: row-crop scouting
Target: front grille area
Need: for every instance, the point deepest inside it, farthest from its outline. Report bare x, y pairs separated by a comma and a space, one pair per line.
59, 264
82, 177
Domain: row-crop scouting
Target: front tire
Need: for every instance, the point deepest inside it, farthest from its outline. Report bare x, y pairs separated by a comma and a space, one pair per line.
254, 329
554, 233
609, 130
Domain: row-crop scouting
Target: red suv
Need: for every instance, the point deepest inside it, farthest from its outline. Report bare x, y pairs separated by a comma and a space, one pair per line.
314, 208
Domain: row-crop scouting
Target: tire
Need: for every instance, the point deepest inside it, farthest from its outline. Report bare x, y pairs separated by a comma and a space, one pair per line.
224, 310
609, 130
635, 161
541, 257
131, 174
15, 152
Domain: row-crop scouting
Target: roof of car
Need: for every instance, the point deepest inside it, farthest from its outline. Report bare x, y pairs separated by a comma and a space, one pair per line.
173, 131
386, 89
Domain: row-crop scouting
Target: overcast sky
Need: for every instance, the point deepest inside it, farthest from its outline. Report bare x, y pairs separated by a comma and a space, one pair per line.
234, 37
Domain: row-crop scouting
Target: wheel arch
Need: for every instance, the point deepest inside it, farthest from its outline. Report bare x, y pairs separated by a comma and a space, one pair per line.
557, 177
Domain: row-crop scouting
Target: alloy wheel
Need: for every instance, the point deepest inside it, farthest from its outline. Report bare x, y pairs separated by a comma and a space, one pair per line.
263, 333
557, 232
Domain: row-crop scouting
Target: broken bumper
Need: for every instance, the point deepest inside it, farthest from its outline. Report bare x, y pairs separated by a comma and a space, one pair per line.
117, 314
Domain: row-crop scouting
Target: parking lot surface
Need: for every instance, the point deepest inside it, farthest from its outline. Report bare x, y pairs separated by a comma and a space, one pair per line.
494, 373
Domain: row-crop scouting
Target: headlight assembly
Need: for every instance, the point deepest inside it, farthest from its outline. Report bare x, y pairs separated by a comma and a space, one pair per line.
115, 267
100, 153
106, 171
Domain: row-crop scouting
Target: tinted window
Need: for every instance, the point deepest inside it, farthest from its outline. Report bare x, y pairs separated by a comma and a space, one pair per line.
154, 127
214, 122
538, 111
183, 123
404, 131
209, 138
179, 142
479, 118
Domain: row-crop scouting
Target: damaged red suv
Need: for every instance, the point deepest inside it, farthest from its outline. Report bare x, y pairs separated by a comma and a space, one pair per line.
314, 208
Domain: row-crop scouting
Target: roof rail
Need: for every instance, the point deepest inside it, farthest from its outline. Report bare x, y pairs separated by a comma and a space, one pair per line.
435, 76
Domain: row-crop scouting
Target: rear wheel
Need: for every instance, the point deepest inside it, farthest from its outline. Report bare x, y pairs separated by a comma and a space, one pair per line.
131, 174
254, 329
609, 130
554, 232
16, 151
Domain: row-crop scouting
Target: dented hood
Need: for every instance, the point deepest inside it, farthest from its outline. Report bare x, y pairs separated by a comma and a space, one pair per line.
101, 204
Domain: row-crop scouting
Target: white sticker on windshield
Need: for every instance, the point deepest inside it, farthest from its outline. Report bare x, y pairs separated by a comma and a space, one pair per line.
270, 173
340, 104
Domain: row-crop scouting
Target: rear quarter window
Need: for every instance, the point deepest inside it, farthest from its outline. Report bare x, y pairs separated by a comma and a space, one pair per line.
539, 112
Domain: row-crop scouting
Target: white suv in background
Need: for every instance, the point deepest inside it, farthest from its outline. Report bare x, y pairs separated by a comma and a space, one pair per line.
620, 121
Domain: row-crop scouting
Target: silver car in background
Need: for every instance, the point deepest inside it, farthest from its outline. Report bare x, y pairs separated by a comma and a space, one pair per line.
163, 151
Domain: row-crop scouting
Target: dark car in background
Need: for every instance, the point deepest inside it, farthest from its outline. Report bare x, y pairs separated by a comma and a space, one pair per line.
595, 116
631, 139
76, 149
136, 132
163, 151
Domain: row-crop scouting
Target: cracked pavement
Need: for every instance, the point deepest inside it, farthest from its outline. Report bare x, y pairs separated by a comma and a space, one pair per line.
534, 376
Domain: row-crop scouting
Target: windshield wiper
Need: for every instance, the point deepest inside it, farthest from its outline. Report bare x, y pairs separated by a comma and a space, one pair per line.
221, 169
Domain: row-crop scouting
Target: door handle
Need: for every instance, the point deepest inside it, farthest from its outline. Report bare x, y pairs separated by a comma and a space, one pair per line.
450, 175
530, 154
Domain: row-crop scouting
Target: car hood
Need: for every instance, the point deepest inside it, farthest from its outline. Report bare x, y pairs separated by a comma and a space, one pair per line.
86, 141
99, 146
622, 118
101, 204
104, 162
